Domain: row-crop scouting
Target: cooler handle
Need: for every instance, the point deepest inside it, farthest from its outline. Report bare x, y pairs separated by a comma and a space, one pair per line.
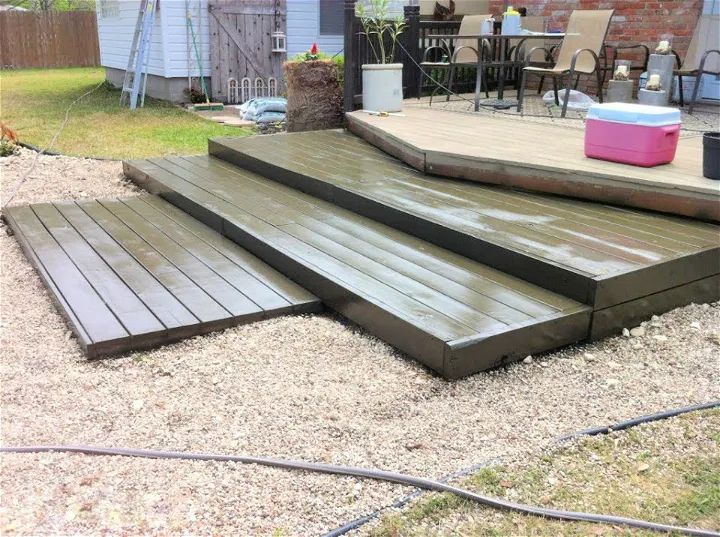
669, 130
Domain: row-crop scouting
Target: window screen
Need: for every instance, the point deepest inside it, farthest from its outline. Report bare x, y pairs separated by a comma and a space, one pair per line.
332, 17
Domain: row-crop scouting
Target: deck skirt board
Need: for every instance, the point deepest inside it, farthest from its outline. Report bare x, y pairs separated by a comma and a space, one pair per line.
418, 296
123, 284
597, 254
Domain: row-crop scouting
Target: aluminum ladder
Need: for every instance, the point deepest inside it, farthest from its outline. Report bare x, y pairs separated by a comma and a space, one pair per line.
136, 72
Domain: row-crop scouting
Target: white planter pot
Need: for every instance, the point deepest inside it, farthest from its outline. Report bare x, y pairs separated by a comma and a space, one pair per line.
382, 87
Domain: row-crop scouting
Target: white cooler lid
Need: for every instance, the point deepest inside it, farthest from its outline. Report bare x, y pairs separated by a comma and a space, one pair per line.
638, 114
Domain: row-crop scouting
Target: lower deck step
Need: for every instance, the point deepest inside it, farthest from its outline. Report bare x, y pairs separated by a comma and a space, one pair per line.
453, 314
138, 272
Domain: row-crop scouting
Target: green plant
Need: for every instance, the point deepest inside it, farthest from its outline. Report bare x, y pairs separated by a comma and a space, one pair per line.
377, 24
8, 141
196, 95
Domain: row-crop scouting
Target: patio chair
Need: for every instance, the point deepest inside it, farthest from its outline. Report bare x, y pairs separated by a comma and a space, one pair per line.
578, 54
518, 47
462, 7
462, 53
702, 57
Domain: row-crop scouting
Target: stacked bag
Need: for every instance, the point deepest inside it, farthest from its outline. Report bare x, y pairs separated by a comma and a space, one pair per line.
264, 109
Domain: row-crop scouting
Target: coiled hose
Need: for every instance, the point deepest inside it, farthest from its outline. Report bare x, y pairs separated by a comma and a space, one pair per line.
381, 475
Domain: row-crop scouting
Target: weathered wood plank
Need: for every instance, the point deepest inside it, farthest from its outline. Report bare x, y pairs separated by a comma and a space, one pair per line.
132, 313
158, 299
92, 321
251, 287
293, 293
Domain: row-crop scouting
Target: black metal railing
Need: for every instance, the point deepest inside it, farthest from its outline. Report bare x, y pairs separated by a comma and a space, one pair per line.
417, 37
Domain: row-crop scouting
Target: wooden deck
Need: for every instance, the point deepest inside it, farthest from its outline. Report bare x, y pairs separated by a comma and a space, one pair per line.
138, 272
626, 264
539, 157
454, 314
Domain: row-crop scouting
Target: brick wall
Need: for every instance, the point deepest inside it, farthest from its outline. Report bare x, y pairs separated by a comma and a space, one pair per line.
634, 21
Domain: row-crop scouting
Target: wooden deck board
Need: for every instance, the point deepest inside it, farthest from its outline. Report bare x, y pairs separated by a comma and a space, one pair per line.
597, 254
453, 314
540, 157
132, 273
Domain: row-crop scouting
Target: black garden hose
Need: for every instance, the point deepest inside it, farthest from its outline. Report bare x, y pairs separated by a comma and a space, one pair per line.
634, 422
665, 414
381, 475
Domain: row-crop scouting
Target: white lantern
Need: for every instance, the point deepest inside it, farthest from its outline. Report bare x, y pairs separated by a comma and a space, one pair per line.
279, 41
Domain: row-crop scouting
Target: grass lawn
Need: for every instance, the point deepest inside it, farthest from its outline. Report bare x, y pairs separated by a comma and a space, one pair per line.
667, 472
33, 103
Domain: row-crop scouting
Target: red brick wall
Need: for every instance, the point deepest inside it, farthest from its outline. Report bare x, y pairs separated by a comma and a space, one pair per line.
634, 21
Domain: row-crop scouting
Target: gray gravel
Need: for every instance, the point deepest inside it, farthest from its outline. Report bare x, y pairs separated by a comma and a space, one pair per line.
311, 388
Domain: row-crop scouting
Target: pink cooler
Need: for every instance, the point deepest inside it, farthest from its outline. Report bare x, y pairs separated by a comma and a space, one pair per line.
632, 133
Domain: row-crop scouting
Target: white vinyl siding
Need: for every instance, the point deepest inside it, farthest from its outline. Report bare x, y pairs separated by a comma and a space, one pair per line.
303, 28
169, 47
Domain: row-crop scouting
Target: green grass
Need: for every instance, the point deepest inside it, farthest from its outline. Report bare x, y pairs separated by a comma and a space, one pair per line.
668, 472
33, 103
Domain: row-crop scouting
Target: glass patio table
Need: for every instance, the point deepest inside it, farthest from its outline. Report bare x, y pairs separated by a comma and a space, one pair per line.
499, 46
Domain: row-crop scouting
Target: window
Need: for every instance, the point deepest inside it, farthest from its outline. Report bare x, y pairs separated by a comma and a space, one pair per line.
332, 17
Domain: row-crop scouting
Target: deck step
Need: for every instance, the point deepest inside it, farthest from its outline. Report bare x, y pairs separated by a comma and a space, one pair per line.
137, 272
453, 314
626, 263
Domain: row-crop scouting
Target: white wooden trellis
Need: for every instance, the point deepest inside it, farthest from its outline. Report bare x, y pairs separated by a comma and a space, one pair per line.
238, 93
233, 91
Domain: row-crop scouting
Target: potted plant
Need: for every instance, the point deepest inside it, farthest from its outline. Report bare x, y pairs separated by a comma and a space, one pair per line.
711, 155
662, 62
382, 80
653, 93
620, 88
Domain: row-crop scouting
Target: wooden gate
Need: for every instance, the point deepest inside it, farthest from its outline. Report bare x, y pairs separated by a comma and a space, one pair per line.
241, 46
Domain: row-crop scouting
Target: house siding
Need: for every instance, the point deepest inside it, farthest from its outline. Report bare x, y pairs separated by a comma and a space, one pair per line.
303, 29
168, 56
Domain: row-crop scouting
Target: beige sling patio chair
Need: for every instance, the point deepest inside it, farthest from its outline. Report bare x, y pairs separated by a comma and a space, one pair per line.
460, 53
702, 57
579, 54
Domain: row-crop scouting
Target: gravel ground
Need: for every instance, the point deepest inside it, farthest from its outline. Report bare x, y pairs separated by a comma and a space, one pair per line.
312, 388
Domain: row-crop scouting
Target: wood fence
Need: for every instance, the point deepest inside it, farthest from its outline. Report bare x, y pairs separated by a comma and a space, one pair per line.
48, 39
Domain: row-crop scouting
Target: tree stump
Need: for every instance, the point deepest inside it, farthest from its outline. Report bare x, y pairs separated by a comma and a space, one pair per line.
314, 95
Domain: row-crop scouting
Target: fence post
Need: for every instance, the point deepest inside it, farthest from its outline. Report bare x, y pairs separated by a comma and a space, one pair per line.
351, 56
412, 44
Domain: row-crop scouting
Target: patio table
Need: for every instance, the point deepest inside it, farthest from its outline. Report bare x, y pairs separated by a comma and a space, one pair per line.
499, 43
